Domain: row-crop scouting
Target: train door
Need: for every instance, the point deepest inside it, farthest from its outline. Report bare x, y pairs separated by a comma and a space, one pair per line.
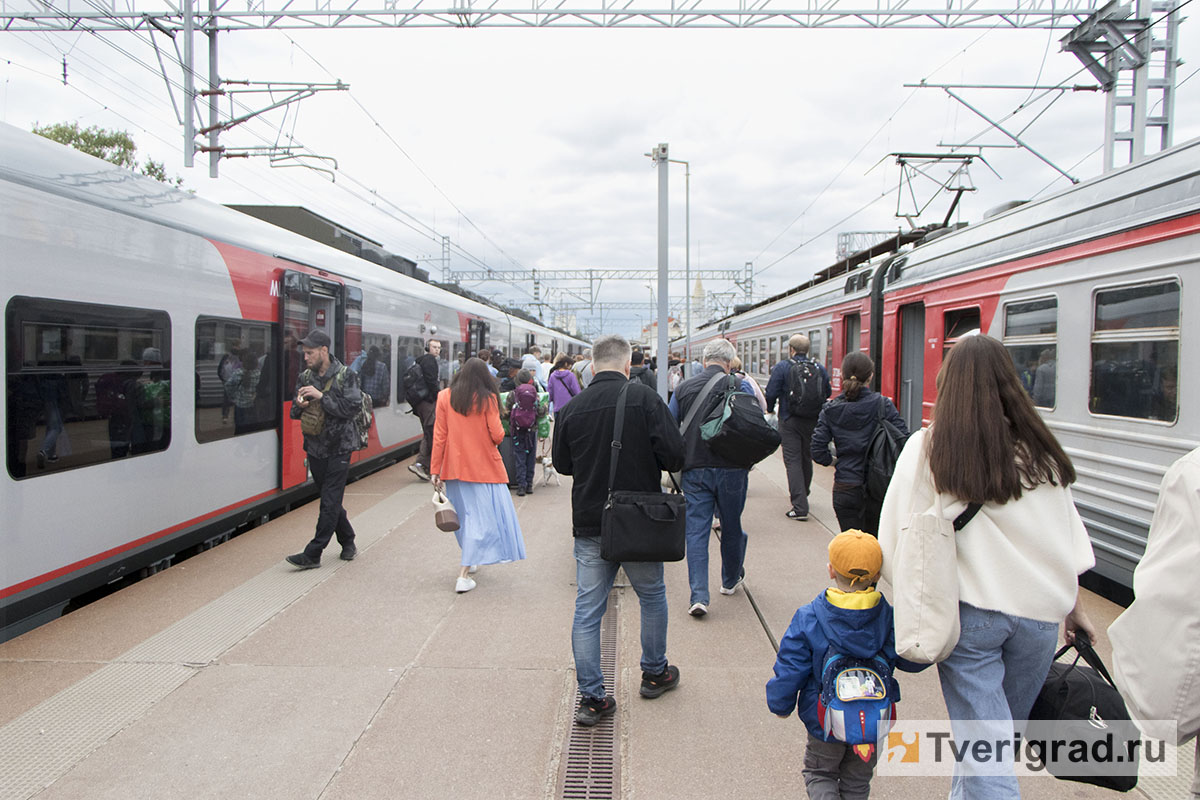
477, 336
309, 303
912, 364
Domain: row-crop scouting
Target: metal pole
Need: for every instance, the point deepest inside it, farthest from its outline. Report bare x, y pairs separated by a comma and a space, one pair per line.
214, 83
189, 85
687, 263
660, 158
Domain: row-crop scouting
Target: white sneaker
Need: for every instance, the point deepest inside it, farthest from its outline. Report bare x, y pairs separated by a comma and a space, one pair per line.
698, 610
471, 570
733, 588
418, 470
464, 585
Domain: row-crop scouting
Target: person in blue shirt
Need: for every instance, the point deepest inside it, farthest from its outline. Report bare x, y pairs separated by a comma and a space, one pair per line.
796, 424
709, 481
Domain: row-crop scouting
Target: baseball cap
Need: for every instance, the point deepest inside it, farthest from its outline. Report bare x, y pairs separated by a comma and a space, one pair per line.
856, 555
315, 339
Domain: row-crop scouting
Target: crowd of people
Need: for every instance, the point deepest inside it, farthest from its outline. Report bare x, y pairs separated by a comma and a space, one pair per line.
1018, 560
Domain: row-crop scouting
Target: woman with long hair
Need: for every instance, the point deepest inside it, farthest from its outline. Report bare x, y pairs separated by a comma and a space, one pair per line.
848, 421
1019, 557
466, 463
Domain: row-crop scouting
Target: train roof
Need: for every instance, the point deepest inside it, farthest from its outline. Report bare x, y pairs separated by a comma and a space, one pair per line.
1160, 187
39, 163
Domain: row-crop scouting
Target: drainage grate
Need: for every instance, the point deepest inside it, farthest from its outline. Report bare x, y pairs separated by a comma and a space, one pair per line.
591, 769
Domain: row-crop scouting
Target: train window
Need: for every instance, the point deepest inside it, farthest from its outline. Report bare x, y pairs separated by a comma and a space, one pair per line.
237, 378
762, 357
1030, 335
373, 365
853, 330
85, 384
408, 350
1135, 352
774, 354
814, 345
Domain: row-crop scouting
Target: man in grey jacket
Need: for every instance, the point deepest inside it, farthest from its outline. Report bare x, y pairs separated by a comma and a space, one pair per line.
326, 401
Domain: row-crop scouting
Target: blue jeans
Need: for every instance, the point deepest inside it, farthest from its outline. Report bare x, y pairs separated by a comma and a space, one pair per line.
594, 576
994, 673
723, 490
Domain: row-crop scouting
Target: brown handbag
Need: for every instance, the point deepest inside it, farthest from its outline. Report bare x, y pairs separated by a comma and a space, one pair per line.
444, 515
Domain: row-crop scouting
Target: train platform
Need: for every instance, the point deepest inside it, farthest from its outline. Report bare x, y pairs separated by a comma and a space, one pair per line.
233, 675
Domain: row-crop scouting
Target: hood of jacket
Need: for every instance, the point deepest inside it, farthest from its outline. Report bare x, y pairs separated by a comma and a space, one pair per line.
854, 415
860, 632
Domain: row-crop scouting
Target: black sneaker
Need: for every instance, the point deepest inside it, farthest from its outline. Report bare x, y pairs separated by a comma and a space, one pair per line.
528, 490
591, 710
419, 470
654, 685
348, 553
520, 491
796, 515
302, 561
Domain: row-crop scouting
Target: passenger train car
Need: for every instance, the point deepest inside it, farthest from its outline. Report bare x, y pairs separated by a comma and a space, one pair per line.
150, 355
1095, 292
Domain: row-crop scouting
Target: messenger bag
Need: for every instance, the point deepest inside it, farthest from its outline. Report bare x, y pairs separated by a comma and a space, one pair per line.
640, 526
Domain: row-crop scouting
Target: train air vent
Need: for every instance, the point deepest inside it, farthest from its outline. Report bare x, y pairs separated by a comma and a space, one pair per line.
1000, 209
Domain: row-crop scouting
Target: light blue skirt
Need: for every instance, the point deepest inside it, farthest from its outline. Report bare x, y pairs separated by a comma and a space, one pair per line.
488, 530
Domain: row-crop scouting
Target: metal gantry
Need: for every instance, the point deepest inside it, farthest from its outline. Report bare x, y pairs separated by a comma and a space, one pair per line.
129, 15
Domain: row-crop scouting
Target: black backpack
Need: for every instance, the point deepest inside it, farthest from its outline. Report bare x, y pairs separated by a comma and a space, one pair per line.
882, 452
416, 391
736, 430
806, 389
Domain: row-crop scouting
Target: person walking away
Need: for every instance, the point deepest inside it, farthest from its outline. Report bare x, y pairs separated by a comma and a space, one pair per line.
426, 406
465, 461
1018, 558
850, 623
640, 372
848, 422
583, 448
1158, 683
584, 369
326, 400
485, 355
523, 415
801, 387
710, 482
563, 385
532, 360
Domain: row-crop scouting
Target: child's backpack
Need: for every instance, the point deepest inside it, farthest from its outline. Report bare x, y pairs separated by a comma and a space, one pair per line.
882, 453
857, 704
806, 389
523, 413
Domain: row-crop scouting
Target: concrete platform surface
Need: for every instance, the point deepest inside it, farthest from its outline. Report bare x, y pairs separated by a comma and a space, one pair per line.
232, 675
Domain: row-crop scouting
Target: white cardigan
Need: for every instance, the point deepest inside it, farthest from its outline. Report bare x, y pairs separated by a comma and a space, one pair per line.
1020, 558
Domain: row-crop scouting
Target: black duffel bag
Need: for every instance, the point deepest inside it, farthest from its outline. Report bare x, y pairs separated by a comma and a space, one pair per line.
1079, 726
737, 431
640, 526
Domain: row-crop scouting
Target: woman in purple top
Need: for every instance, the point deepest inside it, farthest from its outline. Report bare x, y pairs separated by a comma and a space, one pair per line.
563, 385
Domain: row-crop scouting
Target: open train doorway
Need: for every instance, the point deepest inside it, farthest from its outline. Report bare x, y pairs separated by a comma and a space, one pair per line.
912, 364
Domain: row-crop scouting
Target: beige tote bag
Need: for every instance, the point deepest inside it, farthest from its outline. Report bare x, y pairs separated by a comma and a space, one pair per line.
925, 585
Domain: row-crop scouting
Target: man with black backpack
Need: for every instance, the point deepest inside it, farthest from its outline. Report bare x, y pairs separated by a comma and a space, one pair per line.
421, 384
801, 387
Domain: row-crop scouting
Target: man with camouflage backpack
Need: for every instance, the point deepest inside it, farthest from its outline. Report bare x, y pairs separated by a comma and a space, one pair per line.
801, 387
327, 401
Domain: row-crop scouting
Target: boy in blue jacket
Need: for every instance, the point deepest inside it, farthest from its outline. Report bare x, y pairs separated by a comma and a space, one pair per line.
851, 618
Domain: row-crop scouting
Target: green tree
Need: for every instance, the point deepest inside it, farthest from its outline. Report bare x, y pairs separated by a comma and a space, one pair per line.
116, 147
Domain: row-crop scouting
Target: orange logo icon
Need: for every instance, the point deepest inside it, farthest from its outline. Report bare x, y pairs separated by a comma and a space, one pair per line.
904, 747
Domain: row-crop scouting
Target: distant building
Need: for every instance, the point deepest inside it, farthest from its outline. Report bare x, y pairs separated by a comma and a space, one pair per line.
321, 229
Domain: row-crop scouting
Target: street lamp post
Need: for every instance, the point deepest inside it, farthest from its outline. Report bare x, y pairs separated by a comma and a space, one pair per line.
687, 262
659, 154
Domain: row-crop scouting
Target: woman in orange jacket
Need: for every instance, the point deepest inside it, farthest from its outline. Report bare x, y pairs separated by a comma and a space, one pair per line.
466, 463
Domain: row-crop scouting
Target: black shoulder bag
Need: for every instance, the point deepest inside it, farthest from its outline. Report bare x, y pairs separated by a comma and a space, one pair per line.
640, 526
1080, 707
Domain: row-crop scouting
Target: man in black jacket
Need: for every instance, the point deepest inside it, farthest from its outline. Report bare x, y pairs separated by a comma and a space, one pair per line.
326, 400
709, 481
425, 409
640, 372
582, 447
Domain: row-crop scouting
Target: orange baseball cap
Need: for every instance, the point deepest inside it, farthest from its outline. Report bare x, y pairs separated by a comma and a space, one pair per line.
856, 555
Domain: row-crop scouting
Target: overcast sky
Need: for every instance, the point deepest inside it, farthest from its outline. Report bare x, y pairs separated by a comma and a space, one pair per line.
538, 136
